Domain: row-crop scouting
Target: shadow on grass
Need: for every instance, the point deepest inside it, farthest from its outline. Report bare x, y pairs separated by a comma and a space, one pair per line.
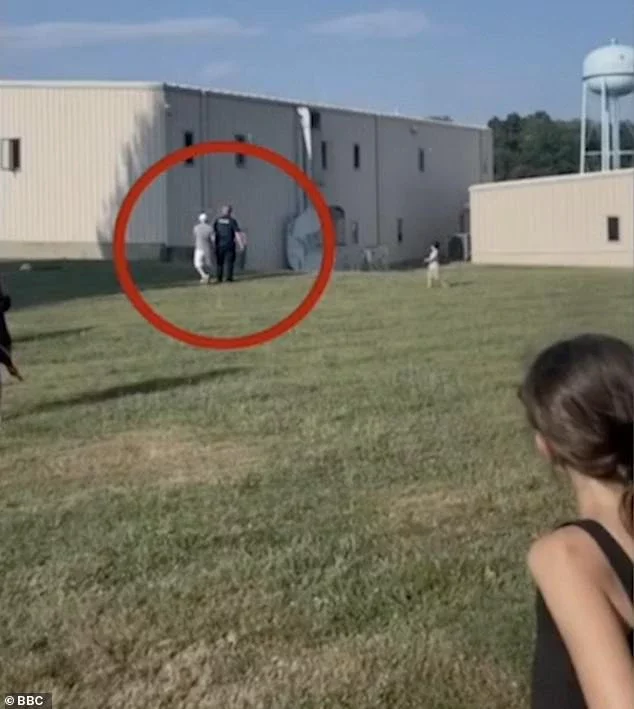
50, 335
149, 386
55, 283
251, 276
459, 284
52, 283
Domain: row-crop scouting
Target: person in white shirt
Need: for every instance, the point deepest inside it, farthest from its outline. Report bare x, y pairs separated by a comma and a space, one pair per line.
203, 234
433, 266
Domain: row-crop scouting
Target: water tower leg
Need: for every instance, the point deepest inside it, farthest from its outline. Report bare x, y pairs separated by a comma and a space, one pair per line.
616, 134
584, 121
605, 129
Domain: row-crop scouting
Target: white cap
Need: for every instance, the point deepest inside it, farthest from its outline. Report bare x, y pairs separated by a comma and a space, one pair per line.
202, 217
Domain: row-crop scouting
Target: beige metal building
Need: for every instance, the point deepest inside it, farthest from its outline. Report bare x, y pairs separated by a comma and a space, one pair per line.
572, 220
393, 181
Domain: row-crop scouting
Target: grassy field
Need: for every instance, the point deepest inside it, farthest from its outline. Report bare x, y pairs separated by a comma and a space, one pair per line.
338, 519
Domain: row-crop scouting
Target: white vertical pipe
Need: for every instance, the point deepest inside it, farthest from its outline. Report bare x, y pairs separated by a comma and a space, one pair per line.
584, 121
616, 134
605, 128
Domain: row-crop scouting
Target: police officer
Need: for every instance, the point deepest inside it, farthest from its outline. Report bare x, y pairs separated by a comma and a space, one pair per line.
227, 237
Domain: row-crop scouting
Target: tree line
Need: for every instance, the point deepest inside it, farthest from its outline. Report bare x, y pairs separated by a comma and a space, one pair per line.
538, 145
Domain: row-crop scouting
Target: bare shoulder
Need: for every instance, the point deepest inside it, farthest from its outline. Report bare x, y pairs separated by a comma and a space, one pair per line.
566, 553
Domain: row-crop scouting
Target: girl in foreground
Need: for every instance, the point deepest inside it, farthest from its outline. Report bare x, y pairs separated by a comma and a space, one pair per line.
579, 398
5, 343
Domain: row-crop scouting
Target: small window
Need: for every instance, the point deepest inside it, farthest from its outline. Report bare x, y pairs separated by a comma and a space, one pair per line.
241, 158
355, 232
315, 120
357, 156
188, 141
613, 229
11, 154
421, 159
16, 154
399, 230
324, 155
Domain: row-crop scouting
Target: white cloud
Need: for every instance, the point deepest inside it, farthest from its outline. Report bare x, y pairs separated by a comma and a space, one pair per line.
218, 70
383, 24
55, 35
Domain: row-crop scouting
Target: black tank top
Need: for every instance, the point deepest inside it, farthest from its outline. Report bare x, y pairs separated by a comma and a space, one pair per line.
554, 681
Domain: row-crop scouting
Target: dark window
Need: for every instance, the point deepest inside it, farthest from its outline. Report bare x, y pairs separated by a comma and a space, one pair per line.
11, 154
355, 232
324, 155
399, 230
357, 156
16, 154
421, 159
613, 229
188, 141
315, 120
241, 158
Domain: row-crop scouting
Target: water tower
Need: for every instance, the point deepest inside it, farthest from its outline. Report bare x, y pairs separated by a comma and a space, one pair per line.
608, 75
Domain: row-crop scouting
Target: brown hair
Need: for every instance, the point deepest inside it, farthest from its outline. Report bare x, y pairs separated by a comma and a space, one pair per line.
579, 395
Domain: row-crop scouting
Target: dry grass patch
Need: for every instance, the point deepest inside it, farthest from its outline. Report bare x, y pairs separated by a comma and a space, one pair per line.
466, 511
403, 669
395, 670
173, 456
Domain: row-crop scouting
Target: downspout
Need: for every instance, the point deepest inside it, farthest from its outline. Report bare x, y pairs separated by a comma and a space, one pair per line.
377, 185
200, 162
480, 160
304, 115
167, 147
299, 161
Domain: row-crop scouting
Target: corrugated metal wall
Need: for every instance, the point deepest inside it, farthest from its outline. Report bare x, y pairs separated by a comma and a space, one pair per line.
558, 221
185, 189
263, 196
82, 148
374, 196
96, 140
428, 202
352, 189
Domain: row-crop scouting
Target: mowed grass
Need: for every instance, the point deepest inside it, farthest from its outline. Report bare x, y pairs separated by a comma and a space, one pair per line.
337, 519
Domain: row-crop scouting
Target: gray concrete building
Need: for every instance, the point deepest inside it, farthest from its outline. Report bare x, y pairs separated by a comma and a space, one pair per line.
71, 151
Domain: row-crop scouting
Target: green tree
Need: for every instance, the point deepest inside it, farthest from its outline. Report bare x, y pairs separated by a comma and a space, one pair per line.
537, 145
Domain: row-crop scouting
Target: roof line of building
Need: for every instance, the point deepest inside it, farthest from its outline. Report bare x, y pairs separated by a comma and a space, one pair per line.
550, 179
158, 86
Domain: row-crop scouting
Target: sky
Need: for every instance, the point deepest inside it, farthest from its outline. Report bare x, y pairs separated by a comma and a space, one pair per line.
470, 59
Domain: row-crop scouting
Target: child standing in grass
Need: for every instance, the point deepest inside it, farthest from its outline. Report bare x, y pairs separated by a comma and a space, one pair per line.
579, 398
433, 266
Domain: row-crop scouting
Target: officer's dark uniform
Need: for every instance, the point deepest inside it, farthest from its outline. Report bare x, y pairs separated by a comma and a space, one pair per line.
225, 230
